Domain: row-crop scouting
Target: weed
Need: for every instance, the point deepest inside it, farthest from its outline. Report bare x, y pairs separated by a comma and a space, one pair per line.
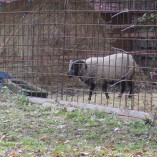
38, 130
20, 100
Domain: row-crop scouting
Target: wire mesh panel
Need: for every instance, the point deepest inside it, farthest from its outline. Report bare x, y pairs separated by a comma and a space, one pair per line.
107, 47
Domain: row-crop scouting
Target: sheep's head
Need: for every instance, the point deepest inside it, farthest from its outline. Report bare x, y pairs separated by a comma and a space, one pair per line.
76, 68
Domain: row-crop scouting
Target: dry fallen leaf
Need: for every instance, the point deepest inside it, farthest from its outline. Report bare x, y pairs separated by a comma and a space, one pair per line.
61, 140
139, 153
67, 141
144, 148
111, 155
127, 151
56, 155
110, 147
118, 131
14, 154
45, 138
85, 153
4, 137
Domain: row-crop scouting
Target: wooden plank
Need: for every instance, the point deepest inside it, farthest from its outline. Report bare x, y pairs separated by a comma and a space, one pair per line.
144, 35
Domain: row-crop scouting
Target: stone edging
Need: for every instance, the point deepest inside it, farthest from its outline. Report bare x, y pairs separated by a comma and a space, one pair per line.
119, 112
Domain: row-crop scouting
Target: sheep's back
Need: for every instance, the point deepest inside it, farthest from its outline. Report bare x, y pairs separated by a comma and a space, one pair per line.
110, 67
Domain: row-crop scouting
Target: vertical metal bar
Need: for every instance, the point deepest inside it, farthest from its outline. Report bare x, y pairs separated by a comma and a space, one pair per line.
64, 46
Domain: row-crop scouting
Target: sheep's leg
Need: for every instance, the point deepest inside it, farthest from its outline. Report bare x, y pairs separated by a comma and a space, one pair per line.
104, 88
131, 85
123, 87
92, 86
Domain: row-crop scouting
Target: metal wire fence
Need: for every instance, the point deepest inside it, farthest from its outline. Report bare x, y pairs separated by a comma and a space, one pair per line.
39, 38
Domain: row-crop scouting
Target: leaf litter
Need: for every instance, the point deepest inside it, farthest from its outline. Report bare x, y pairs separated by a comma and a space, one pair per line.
55, 130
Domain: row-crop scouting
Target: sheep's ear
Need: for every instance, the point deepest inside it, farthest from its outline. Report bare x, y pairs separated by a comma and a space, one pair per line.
80, 63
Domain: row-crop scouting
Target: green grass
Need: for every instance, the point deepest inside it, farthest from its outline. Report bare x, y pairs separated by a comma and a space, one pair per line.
34, 130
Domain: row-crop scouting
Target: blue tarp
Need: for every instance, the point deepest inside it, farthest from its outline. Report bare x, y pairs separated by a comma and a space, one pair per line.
4, 75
